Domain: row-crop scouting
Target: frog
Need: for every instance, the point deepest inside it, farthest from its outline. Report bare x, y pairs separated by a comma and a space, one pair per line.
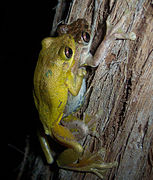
53, 79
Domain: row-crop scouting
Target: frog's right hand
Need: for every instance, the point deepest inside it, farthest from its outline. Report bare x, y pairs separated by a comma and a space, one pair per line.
81, 72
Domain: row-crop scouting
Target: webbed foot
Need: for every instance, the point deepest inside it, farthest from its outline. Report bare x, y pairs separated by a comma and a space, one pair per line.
95, 163
92, 163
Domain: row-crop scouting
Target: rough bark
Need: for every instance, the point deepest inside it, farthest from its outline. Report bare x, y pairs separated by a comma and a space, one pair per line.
121, 88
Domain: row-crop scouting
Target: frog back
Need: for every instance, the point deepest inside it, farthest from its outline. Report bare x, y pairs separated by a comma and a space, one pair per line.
50, 90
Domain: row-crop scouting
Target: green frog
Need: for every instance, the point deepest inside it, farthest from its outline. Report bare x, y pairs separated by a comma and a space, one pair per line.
53, 79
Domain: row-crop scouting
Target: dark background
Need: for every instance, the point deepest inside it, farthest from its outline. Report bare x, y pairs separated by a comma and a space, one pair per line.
24, 24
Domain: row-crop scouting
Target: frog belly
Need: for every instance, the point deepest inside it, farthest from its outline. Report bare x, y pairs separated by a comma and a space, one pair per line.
75, 102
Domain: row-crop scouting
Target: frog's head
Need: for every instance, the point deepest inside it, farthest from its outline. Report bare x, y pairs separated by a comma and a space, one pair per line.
79, 29
81, 32
59, 51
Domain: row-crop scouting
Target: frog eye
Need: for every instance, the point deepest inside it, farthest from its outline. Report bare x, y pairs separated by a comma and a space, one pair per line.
86, 37
68, 52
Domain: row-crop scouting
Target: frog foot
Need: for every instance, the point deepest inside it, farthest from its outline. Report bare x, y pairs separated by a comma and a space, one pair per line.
95, 163
92, 163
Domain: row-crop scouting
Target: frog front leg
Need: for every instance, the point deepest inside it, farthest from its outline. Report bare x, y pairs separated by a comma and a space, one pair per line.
113, 33
74, 81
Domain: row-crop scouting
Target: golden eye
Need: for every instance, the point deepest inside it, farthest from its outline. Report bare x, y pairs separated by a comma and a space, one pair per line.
68, 52
86, 37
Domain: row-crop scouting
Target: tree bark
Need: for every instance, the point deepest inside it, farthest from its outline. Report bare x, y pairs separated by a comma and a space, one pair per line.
121, 88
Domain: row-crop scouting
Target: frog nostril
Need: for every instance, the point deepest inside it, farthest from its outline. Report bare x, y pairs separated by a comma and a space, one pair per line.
68, 52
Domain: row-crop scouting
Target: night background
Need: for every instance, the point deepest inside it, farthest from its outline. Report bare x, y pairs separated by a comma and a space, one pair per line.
24, 25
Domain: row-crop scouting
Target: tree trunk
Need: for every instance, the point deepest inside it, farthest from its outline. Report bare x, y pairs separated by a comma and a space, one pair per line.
121, 88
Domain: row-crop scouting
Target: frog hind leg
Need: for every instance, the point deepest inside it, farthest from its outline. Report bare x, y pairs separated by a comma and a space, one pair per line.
74, 159
66, 138
76, 126
45, 146
81, 128
90, 162
74, 151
